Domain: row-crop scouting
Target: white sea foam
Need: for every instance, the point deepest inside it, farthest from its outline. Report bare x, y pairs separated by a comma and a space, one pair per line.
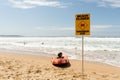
106, 50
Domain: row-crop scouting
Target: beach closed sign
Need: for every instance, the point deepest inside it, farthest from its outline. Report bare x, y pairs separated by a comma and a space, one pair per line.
82, 24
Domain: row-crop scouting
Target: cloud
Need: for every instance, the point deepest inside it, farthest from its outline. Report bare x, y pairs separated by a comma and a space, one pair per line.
20, 4
100, 26
72, 28
105, 3
56, 28
27, 4
109, 3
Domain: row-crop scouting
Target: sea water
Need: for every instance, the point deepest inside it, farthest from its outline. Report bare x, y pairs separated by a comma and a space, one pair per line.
105, 50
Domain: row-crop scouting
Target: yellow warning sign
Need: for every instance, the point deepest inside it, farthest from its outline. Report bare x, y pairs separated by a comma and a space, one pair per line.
82, 24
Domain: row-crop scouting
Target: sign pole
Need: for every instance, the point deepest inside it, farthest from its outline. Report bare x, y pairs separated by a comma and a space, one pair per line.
82, 57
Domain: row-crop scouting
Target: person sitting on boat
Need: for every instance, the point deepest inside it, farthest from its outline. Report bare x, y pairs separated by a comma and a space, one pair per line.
60, 55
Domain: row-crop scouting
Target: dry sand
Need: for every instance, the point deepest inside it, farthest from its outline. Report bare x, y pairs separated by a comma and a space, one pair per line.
29, 67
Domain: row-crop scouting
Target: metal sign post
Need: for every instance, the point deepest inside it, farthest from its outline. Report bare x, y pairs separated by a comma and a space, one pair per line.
83, 57
82, 28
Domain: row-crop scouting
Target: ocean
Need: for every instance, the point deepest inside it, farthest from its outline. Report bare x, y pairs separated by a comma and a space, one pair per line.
101, 49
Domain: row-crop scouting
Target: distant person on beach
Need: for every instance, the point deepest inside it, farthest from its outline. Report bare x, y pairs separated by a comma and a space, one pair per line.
59, 54
42, 43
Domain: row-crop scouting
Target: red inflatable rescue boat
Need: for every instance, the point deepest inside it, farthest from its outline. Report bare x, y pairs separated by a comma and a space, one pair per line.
60, 61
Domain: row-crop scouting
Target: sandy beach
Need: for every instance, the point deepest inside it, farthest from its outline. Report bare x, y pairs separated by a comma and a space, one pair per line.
30, 67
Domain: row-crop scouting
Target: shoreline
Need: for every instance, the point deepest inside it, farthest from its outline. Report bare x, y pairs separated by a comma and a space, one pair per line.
75, 57
26, 66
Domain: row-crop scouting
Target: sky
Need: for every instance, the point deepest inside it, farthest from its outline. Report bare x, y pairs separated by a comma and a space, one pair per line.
57, 17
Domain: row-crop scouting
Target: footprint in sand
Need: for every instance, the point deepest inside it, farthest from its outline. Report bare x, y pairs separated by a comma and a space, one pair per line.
79, 75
